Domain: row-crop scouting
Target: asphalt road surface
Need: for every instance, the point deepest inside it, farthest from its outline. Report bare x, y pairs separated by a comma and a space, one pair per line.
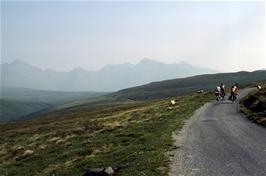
218, 140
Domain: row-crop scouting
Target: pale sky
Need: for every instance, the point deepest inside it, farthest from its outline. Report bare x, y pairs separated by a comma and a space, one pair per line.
226, 36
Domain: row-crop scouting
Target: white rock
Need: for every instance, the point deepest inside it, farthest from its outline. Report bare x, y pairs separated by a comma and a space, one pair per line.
109, 170
173, 102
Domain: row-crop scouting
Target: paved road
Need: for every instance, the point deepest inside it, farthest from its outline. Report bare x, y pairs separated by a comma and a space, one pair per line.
218, 140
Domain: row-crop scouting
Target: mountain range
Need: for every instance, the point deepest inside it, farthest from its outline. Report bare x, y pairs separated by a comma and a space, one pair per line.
109, 78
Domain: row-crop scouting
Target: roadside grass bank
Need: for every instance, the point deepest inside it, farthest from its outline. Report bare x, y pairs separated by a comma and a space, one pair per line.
254, 106
132, 137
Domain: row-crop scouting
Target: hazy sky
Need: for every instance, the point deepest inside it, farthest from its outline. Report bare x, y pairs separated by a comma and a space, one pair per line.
227, 36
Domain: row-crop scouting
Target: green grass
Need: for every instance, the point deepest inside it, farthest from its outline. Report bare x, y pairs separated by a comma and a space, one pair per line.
45, 96
182, 86
20, 103
12, 109
254, 105
92, 102
131, 137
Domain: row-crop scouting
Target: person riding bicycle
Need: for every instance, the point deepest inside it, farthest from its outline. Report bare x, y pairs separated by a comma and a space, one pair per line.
218, 93
222, 86
234, 90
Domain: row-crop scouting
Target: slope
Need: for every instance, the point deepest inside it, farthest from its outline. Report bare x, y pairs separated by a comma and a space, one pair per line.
130, 137
20, 103
185, 85
11, 110
254, 105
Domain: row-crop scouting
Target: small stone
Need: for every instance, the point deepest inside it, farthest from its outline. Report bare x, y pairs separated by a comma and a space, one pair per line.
175, 147
109, 170
200, 91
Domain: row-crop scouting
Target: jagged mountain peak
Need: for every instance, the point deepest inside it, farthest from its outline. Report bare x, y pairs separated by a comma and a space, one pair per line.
78, 69
148, 61
18, 63
109, 78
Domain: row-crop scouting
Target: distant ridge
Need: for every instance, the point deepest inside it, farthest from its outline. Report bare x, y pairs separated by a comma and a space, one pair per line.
174, 87
17, 103
109, 78
24, 101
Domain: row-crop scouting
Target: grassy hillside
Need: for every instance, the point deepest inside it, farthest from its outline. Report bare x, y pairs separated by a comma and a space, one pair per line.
45, 96
254, 105
20, 103
168, 88
11, 110
182, 86
156, 90
131, 137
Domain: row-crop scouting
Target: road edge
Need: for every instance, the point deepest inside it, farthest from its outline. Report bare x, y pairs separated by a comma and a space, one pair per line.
178, 137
